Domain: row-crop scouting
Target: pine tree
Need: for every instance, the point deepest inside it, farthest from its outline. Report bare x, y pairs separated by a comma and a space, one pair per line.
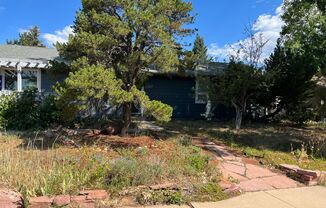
128, 37
200, 50
28, 38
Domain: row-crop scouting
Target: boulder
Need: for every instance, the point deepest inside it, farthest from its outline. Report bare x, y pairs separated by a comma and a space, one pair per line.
10, 199
112, 128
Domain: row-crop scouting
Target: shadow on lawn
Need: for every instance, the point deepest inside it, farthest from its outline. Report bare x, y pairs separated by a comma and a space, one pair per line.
40, 141
260, 136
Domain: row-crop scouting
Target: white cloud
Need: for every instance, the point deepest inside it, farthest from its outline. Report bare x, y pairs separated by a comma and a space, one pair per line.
22, 30
267, 25
60, 36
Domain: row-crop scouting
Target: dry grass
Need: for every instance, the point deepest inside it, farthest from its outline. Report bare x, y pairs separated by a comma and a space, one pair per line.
62, 170
47, 172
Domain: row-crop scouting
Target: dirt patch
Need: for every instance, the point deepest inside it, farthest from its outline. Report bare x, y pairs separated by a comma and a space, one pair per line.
121, 142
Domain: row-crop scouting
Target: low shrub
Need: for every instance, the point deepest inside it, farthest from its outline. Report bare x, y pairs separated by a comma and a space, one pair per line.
208, 192
6, 103
185, 140
28, 111
198, 161
150, 197
126, 172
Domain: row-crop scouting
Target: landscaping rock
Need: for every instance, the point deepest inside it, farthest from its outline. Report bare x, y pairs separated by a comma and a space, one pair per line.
307, 177
95, 194
314, 174
224, 185
40, 202
292, 168
61, 200
233, 190
10, 199
112, 128
78, 199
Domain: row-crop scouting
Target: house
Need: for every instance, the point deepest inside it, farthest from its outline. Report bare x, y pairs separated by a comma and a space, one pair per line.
24, 67
184, 93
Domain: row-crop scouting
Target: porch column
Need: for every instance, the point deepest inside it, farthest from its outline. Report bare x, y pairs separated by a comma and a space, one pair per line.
39, 80
3, 80
19, 78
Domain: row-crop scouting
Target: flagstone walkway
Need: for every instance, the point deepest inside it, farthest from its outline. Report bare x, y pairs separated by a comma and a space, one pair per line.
247, 173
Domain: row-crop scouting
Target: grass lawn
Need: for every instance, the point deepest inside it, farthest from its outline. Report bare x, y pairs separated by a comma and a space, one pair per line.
271, 144
109, 163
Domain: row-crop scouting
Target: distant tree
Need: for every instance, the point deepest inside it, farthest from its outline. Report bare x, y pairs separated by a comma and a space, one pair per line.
305, 30
235, 86
297, 59
28, 38
289, 77
190, 59
242, 79
128, 37
200, 51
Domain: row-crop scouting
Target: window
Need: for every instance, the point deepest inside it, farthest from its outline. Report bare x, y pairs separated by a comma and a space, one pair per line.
201, 94
11, 80
29, 79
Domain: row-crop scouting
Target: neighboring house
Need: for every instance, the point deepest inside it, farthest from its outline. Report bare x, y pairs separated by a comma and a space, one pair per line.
23, 67
184, 93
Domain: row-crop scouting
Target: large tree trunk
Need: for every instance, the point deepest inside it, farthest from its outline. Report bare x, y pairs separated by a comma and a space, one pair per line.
238, 118
126, 117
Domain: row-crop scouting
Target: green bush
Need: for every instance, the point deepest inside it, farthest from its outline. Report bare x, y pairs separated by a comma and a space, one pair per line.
197, 161
49, 111
5, 104
27, 111
24, 113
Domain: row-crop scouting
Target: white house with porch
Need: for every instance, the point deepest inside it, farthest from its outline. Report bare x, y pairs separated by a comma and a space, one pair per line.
24, 67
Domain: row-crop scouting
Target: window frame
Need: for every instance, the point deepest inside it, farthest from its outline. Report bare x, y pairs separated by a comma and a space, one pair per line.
19, 70
199, 93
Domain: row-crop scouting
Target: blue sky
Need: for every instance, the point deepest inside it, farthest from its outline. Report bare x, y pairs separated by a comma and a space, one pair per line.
220, 22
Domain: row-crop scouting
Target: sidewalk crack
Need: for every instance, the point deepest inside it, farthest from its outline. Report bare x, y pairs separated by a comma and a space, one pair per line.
280, 199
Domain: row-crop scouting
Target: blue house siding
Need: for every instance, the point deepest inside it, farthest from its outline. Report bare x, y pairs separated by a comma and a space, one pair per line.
178, 92
48, 80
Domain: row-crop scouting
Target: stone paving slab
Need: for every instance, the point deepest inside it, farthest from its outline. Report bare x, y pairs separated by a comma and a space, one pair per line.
254, 185
251, 176
240, 170
280, 182
228, 174
255, 171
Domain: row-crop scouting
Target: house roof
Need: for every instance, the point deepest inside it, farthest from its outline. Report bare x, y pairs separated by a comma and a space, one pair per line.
38, 57
31, 57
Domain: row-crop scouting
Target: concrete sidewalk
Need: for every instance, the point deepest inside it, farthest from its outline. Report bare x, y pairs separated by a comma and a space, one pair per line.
307, 197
